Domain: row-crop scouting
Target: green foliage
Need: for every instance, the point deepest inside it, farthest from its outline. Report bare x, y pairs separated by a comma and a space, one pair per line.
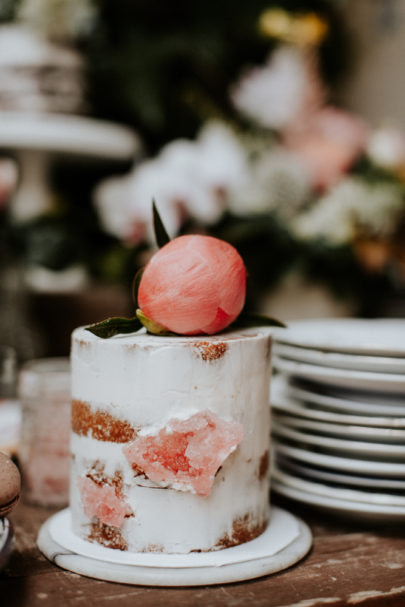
266, 247
165, 67
337, 268
8, 9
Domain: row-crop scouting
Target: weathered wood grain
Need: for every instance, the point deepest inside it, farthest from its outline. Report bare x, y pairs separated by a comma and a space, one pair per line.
349, 565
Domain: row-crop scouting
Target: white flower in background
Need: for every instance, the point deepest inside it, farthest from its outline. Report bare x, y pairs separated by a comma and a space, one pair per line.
328, 219
381, 208
276, 95
187, 179
168, 180
386, 148
193, 184
277, 182
223, 158
109, 199
352, 207
124, 204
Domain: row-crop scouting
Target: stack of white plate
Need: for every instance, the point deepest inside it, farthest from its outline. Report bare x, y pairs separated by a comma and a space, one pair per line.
338, 399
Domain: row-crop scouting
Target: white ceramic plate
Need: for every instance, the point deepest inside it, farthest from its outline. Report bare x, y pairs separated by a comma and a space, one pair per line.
6, 540
351, 495
376, 337
379, 364
372, 467
299, 405
336, 445
369, 404
357, 510
329, 476
392, 383
198, 568
360, 433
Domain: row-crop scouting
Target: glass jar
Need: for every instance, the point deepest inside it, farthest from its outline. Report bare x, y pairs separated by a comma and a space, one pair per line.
10, 413
44, 390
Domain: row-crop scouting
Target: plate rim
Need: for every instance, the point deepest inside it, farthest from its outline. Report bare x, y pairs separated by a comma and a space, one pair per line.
339, 505
302, 468
279, 391
326, 490
338, 430
334, 376
287, 335
340, 360
346, 446
386, 469
197, 576
337, 401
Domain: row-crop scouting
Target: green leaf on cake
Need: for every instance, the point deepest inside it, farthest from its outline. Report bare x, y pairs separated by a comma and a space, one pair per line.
115, 325
151, 326
246, 320
135, 286
161, 235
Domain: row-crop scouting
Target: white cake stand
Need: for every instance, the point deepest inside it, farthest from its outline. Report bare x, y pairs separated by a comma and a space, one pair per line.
34, 138
286, 540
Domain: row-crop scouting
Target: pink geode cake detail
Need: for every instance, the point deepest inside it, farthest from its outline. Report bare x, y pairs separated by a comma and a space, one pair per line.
186, 453
103, 502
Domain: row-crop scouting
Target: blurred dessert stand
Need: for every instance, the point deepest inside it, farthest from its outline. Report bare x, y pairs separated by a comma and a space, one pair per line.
34, 139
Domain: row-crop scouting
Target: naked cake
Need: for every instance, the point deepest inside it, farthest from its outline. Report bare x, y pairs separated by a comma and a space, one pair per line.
170, 439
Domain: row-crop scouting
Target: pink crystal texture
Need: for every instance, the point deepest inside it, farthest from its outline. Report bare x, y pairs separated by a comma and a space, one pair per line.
102, 501
186, 453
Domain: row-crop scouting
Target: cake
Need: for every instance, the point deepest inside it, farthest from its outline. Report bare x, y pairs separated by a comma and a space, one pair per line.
170, 440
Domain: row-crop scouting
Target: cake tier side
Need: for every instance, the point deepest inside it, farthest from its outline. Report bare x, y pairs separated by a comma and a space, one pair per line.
126, 390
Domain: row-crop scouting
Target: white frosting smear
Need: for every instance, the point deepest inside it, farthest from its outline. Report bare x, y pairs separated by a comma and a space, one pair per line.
147, 381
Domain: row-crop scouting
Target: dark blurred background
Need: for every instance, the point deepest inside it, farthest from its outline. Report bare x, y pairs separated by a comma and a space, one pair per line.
276, 126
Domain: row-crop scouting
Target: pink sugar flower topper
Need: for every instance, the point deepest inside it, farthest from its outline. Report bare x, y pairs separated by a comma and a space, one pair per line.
195, 284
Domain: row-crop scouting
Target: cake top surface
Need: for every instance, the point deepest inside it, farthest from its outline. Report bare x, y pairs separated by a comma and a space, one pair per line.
142, 338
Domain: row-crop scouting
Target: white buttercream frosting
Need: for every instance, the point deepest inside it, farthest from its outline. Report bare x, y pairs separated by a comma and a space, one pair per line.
146, 381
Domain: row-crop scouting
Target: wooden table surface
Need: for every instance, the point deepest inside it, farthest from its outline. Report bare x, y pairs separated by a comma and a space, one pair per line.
349, 564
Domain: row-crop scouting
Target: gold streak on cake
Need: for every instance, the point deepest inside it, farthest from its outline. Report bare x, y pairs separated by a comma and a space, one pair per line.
153, 548
100, 425
98, 476
107, 536
243, 530
210, 351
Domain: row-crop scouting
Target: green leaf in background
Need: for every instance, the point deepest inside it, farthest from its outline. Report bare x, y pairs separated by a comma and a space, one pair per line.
115, 325
161, 235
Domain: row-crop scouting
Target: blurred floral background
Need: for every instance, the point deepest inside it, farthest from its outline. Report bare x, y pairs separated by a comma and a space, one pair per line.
239, 131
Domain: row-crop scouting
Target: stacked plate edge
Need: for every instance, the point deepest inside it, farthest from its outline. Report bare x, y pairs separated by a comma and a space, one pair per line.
338, 430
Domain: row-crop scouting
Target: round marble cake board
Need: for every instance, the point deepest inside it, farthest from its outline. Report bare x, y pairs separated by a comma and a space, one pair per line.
247, 561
